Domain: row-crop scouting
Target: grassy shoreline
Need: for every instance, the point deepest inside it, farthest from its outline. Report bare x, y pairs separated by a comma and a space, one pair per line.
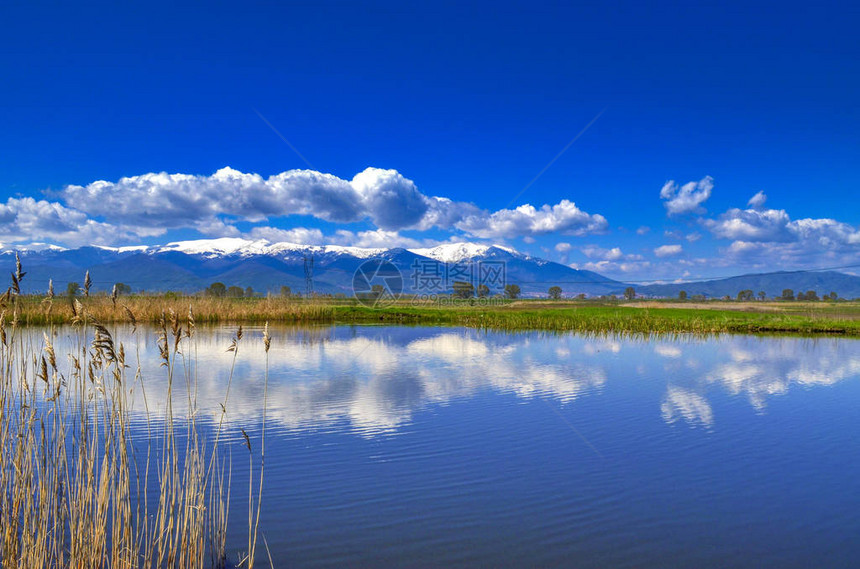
644, 317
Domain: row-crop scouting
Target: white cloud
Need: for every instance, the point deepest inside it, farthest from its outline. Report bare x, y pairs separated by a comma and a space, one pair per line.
391, 200
612, 254
613, 267
564, 218
299, 235
445, 213
776, 226
386, 198
643, 230
757, 200
176, 200
668, 250
27, 219
687, 198
563, 247
751, 225
378, 238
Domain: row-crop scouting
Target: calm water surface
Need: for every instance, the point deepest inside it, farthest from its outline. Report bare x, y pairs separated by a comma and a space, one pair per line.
430, 447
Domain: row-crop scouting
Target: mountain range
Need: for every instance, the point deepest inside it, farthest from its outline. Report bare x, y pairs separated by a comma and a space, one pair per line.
191, 266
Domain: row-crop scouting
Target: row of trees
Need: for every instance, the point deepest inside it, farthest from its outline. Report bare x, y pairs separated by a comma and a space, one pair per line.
788, 294
74, 289
747, 295
464, 289
220, 290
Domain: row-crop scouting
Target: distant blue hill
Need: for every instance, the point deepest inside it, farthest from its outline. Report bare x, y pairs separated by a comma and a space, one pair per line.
823, 282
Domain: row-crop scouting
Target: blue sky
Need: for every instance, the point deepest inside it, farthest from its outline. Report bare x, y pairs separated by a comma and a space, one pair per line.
416, 124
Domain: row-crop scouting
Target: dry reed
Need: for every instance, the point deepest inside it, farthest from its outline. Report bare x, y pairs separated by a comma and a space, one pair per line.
79, 486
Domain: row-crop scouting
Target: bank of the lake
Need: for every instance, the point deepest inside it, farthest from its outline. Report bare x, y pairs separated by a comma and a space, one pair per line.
587, 316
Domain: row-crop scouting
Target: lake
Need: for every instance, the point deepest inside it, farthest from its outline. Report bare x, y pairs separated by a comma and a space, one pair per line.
426, 447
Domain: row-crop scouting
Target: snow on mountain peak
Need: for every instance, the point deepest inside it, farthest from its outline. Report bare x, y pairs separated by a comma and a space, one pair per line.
246, 247
212, 248
217, 247
31, 248
457, 252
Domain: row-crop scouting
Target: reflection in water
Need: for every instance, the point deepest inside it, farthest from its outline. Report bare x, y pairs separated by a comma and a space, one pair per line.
760, 369
688, 405
375, 378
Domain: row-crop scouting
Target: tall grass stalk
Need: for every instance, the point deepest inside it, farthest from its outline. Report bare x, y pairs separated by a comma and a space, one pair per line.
79, 486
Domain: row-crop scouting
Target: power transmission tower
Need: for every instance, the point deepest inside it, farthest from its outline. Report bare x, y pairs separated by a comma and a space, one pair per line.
309, 276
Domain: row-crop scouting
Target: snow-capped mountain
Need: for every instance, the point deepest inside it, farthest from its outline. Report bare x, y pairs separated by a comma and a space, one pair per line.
459, 252
193, 265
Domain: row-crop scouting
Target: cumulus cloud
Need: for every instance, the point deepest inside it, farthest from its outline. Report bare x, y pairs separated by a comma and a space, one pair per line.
668, 250
751, 225
378, 238
391, 200
384, 197
299, 235
762, 238
687, 198
772, 225
27, 219
446, 213
176, 200
563, 247
565, 218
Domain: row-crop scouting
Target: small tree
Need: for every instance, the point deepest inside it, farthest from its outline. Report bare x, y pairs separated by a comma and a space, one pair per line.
555, 292
249, 292
463, 289
762, 295
787, 294
122, 288
580, 296
745, 295
217, 289
73, 289
512, 291
682, 295
629, 293
286, 291
235, 292
811, 295
483, 291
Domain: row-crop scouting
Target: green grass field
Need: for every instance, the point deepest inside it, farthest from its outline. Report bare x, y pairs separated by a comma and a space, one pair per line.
586, 316
590, 317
